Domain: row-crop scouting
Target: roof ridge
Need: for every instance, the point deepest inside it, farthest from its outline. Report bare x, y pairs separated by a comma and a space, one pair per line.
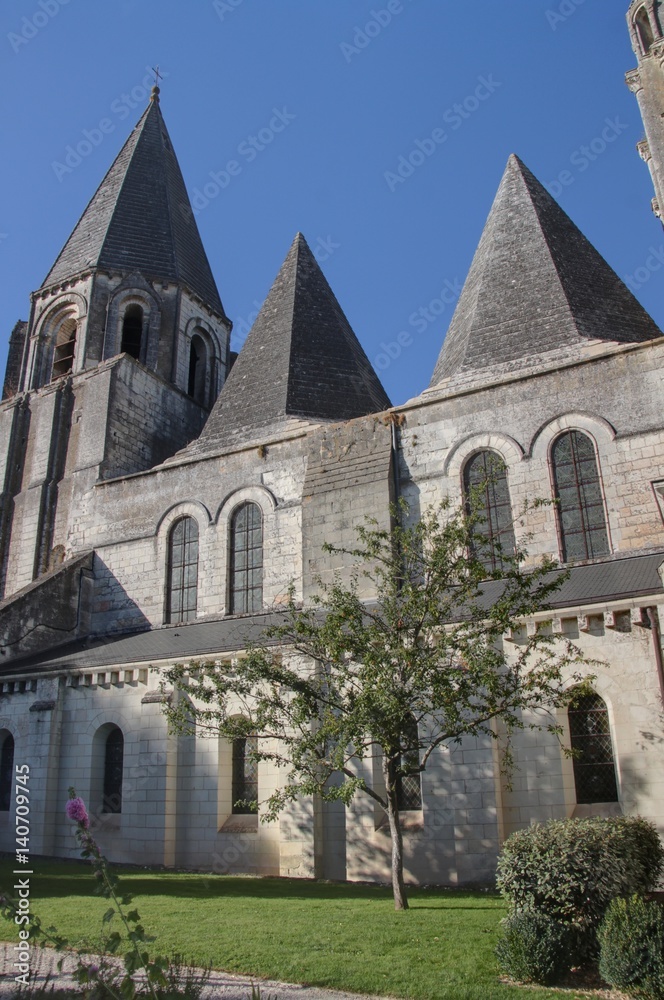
137, 130
535, 284
92, 197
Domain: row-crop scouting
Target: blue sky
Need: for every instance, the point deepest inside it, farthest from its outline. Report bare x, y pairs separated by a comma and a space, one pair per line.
359, 86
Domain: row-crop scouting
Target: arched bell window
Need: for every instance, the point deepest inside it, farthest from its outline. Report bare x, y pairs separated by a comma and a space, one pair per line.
65, 348
113, 769
245, 775
579, 499
246, 562
644, 30
196, 385
182, 571
6, 772
132, 332
488, 498
590, 734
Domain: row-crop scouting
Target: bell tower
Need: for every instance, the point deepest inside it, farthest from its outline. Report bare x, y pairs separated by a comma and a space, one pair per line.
646, 23
120, 361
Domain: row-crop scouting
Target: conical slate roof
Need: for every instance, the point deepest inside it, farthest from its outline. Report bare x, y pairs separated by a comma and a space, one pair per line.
536, 286
300, 360
140, 218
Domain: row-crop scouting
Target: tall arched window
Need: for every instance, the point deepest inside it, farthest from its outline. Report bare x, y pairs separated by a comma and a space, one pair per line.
580, 505
246, 575
65, 346
6, 773
245, 775
113, 763
644, 30
594, 769
182, 582
488, 496
132, 331
409, 786
197, 369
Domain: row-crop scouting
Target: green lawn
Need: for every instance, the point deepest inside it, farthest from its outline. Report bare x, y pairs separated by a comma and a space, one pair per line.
337, 936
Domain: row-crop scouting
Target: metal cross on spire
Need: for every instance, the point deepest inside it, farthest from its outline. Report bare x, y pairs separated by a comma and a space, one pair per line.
157, 75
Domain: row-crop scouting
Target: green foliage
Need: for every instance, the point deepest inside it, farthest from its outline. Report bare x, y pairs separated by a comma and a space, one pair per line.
534, 948
415, 671
571, 869
632, 947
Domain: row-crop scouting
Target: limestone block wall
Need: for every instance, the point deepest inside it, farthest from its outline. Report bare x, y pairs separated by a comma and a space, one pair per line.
129, 523
148, 420
614, 398
349, 479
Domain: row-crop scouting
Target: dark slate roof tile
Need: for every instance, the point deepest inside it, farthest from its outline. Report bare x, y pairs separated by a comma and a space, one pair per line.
300, 360
628, 578
535, 286
140, 219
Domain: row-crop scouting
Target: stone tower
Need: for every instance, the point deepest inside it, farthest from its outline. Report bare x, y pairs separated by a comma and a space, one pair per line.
646, 23
121, 360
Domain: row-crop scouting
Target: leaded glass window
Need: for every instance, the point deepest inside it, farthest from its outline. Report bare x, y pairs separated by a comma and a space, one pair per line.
113, 762
594, 770
182, 588
246, 577
409, 786
245, 775
581, 519
6, 773
487, 492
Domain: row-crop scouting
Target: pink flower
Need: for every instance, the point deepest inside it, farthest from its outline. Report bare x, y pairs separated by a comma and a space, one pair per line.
77, 812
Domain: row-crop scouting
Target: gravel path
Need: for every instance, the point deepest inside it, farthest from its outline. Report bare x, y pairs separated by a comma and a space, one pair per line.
221, 985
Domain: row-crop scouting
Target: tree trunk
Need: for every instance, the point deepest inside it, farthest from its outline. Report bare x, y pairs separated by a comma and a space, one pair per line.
398, 887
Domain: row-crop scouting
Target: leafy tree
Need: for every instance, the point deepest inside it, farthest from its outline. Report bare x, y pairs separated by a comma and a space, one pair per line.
399, 678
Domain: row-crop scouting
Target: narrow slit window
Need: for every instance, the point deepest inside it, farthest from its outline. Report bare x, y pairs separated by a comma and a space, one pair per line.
113, 767
132, 332
579, 499
246, 576
594, 767
6, 773
182, 582
488, 497
245, 775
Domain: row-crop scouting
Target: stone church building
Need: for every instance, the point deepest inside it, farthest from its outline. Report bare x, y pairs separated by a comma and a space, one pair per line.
158, 499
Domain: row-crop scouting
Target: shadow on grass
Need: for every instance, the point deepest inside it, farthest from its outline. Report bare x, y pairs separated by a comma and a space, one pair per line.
54, 880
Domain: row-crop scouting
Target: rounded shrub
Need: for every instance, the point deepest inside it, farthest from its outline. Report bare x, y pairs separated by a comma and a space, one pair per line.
534, 948
570, 870
632, 947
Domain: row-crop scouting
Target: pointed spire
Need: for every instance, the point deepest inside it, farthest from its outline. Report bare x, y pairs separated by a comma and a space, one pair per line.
140, 218
536, 287
301, 360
